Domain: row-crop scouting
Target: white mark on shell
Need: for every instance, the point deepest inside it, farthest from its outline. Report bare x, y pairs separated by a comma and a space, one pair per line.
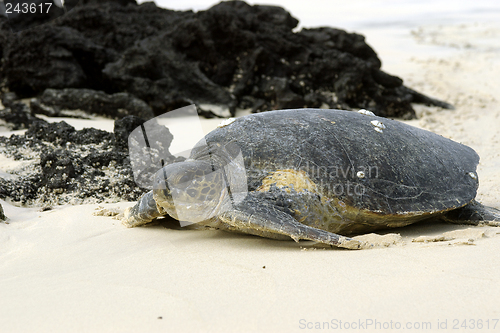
226, 122
360, 174
378, 126
473, 175
366, 112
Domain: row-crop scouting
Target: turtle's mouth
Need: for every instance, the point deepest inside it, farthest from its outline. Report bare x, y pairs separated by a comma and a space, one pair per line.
183, 207
164, 201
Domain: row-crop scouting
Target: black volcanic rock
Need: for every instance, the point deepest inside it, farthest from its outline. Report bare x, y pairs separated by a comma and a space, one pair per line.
115, 105
53, 57
231, 55
123, 127
118, 27
18, 116
58, 166
65, 165
8, 98
62, 133
154, 72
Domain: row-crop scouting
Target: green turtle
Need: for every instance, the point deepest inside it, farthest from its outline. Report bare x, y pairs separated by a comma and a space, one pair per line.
320, 175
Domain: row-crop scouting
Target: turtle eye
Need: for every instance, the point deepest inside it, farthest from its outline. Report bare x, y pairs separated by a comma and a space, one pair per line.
184, 179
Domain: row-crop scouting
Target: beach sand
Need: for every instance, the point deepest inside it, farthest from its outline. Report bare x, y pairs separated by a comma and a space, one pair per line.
68, 270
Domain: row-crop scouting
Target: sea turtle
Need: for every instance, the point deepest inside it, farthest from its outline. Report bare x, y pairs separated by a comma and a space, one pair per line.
317, 174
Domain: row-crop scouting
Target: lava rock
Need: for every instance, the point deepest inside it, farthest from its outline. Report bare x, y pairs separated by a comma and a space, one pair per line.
89, 136
38, 108
57, 167
117, 105
57, 133
118, 27
8, 98
65, 165
123, 127
53, 57
230, 56
18, 116
62, 133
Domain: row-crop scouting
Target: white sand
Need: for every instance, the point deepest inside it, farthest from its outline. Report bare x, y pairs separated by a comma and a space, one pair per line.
66, 270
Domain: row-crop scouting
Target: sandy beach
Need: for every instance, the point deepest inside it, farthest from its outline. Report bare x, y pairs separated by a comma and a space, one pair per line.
71, 269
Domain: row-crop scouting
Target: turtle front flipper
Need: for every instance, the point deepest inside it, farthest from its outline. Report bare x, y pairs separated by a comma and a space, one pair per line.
260, 217
474, 213
143, 212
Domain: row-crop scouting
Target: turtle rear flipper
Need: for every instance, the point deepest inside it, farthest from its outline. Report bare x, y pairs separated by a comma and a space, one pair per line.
143, 212
474, 213
260, 217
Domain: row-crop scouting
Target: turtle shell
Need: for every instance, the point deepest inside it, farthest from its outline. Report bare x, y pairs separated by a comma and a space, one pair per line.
390, 167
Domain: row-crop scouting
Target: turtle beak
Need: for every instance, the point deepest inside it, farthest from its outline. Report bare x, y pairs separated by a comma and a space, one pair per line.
161, 195
163, 198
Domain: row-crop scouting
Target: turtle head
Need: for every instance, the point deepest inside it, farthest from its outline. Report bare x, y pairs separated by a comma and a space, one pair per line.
190, 191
